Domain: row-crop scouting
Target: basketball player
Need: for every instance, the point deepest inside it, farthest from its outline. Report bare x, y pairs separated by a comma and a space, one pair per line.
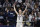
19, 17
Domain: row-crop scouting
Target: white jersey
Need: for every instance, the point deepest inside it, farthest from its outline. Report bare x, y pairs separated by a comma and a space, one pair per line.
19, 21
19, 18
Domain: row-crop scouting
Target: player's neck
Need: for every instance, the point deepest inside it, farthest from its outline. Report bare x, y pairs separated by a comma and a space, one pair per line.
19, 13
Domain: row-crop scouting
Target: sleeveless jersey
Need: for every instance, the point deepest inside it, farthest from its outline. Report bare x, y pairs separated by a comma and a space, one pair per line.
19, 18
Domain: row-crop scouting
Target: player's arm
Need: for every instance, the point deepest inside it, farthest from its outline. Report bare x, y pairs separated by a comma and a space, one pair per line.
25, 10
15, 10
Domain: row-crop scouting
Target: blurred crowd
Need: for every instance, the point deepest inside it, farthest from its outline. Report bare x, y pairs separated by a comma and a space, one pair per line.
9, 17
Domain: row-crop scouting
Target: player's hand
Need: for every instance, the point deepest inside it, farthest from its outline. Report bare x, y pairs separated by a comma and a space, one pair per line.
14, 4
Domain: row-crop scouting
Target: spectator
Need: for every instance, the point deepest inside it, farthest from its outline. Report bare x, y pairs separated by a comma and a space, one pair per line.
6, 4
1, 18
12, 2
19, 1
0, 5
11, 17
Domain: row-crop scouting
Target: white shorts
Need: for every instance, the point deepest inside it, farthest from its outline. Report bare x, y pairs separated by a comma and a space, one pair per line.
19, 25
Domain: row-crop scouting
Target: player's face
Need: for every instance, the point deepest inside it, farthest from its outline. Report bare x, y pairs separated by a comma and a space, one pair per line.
20, 11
